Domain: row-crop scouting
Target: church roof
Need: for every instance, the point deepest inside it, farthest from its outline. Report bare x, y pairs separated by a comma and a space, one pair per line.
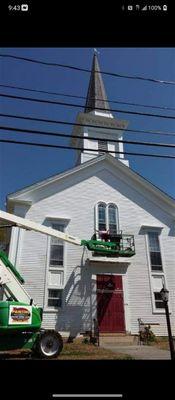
143, 185
96, 96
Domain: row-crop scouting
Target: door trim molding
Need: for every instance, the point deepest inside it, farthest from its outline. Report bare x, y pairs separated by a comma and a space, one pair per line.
115, 291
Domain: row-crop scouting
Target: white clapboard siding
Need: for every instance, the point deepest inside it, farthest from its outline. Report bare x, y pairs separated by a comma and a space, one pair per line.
74, 198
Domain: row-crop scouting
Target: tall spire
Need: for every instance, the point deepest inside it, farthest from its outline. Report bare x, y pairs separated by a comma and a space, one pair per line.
96, 96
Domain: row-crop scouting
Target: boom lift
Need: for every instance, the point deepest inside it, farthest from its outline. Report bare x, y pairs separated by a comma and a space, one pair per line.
20, 317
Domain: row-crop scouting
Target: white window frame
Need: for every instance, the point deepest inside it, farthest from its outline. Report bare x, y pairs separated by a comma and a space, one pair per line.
97, 218
117, 215
55, 269
155, 273
155, 291
56, 307
107, 204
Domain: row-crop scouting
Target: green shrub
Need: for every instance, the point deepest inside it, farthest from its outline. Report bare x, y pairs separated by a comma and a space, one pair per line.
85, 340
147, 336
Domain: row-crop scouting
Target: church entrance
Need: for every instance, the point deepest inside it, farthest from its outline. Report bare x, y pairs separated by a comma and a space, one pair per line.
110, 307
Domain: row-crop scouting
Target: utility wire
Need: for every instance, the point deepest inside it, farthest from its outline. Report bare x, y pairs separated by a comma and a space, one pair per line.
92, 98
60, 122
36, 132
80, 148
72, 67
82, 106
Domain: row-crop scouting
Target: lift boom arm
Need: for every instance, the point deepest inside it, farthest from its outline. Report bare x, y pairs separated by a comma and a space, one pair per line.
34, 226
120, 245
10, 279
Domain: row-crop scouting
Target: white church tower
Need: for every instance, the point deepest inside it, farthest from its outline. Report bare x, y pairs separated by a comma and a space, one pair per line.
97, 113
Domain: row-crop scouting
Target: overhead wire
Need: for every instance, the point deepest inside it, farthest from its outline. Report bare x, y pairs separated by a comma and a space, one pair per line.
82, 106
61, 122
80, 148
72, 67
91, 98
78, 105
39, 132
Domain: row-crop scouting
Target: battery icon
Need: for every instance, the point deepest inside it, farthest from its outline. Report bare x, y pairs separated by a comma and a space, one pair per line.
24, 7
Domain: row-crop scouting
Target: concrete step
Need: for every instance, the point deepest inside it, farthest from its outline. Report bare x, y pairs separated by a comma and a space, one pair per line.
118, 339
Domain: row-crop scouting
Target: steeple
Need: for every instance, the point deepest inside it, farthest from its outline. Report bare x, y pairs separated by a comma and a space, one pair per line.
92, 133
96, 96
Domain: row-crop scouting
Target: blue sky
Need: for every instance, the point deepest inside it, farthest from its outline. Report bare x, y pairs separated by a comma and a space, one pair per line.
21, 166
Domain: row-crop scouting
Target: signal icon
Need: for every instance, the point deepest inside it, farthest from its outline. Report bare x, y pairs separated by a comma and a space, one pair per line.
145, 8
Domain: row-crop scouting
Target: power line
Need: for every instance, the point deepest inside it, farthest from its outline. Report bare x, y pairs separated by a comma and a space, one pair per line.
127, 130
79, 148
72, 67
82, 106
6, 128
92, 98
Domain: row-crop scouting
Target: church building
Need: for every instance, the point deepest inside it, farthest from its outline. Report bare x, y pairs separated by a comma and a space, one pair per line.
101, 193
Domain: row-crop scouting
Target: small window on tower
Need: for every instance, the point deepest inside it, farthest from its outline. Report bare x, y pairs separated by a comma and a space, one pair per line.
102, 146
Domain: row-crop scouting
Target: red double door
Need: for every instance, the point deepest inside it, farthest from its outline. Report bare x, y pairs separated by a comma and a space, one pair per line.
110, 306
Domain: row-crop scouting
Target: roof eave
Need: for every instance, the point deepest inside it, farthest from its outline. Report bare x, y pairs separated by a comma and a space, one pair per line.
170, 202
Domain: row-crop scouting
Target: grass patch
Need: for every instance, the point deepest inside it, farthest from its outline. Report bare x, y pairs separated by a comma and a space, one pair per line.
161, 343
85, 351
73, 351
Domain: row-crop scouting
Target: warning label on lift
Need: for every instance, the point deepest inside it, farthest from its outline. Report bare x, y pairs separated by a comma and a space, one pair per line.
19, 315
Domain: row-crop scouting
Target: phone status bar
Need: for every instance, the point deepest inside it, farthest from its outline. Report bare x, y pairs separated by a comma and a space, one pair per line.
144, 8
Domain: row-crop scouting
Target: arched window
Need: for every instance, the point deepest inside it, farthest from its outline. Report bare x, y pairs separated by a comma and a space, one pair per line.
112, 218
107, 218
101, 217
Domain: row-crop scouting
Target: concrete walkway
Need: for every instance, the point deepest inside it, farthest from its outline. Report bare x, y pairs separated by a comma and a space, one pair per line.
142, 352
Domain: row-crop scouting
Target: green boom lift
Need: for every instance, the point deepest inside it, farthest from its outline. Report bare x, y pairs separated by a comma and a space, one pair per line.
20, 317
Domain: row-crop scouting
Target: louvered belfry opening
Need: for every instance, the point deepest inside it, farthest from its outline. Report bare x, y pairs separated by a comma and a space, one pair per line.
102, 146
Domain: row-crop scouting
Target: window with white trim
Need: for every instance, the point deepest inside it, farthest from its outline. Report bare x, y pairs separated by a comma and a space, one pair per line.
55, 268
107, 217
158, 300
54, 298
156, 270
157, 284
102, 217
112, 219
154, 251
56, 249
